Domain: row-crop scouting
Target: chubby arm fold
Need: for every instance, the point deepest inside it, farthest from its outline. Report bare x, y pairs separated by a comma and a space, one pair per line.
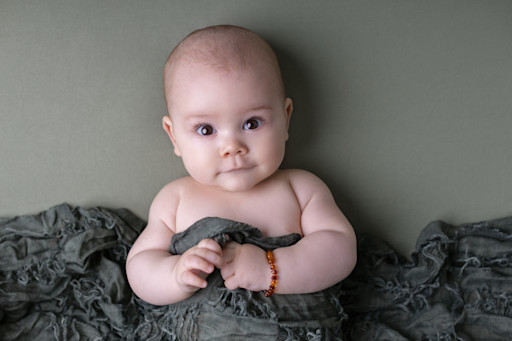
155, 275
323, 257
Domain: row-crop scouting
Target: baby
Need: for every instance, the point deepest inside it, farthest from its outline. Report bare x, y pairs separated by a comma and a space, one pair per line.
228, 121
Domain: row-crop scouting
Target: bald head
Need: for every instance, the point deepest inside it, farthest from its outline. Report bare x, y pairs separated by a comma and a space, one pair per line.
221, 48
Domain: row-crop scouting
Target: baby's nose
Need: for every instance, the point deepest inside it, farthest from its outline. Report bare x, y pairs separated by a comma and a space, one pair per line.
233, 146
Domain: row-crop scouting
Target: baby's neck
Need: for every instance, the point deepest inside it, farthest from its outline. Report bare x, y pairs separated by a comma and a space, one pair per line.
270, 206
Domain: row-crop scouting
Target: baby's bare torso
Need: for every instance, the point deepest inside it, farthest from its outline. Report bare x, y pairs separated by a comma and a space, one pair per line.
271, 206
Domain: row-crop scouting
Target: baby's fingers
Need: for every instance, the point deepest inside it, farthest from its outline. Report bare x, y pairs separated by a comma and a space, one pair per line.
211, 245
193, 271
210, 251
200, 260
192, 279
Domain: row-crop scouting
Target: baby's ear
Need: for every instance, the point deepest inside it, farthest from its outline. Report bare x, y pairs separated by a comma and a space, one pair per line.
168, 127
288, 108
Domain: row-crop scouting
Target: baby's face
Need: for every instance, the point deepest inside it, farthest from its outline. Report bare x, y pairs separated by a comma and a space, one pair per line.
230, 128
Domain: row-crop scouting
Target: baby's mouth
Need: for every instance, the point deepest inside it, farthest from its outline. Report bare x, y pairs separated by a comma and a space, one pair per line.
238, 169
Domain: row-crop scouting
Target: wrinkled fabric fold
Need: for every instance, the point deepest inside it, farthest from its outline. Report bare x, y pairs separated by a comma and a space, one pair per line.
62, 277
62, 274
457, 286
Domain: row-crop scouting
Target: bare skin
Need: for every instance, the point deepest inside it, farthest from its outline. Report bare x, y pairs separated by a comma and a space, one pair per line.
230, 126
323, 257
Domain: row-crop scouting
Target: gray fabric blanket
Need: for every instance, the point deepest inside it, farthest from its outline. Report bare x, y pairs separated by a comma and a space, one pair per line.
62, 278
457, 286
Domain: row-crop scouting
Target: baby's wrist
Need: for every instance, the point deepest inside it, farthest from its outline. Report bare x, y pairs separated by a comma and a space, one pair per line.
273, 274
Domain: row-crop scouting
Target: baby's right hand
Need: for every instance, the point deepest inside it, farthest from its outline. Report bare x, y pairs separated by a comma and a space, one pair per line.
196, 264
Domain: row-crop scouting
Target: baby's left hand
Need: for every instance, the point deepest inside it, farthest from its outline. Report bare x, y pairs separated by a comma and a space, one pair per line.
245, 266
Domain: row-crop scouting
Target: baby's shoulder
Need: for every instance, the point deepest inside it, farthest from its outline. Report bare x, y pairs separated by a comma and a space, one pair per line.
172, 191
178, 185
304, 183
298, 176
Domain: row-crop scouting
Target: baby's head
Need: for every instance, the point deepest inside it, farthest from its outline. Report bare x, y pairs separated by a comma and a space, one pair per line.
224, 48
228, 115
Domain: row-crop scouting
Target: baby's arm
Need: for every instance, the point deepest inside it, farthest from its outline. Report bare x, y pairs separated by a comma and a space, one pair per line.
154, 274
323, 257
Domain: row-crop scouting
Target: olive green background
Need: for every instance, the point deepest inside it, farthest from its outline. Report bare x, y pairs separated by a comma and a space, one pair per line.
403, 107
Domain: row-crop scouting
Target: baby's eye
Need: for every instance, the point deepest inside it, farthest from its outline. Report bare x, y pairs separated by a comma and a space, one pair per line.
252, 123
205, 129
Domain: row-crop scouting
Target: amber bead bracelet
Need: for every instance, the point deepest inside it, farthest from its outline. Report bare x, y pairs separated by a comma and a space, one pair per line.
273, 269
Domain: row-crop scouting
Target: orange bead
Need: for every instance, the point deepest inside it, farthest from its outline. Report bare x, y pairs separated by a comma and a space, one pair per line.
273, 280
270, 257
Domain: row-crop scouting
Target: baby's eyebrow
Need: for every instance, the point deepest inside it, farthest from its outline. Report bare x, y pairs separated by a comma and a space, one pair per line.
260, 108
198, 116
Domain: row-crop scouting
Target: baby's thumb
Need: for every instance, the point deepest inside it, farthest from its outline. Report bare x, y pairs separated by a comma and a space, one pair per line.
231, 283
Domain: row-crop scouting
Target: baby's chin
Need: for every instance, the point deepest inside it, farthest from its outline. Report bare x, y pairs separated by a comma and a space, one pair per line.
236, 187
237, 181
233, 185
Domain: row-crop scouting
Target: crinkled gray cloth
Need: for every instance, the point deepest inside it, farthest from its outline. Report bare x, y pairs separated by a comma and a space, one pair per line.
457, 286
62, 278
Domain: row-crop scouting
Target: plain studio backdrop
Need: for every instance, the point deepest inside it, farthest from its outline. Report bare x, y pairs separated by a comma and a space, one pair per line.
404, 108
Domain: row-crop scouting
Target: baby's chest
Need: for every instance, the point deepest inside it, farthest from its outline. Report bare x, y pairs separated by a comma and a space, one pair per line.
275, 213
